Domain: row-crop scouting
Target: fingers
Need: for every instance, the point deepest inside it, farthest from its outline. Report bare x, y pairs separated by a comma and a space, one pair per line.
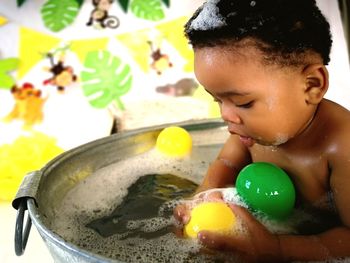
233, 242
178, 232
215, 196
237, 240
258, 236
245, 216
182, 213
237, 245
212, 195
213, 240
241, 212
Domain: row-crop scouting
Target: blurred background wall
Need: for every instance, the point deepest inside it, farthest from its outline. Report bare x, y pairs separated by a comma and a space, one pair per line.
339, 71
69, 75
73, 71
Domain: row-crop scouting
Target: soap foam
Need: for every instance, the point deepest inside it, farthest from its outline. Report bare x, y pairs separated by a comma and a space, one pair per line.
100, 193
209, 17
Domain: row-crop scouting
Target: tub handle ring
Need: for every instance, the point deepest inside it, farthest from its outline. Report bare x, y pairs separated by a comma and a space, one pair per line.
27, 191
21, 235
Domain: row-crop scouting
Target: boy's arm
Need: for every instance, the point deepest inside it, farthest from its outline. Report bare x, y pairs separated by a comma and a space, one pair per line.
221, 172
225, 168
259, 244
330, 244
333, 243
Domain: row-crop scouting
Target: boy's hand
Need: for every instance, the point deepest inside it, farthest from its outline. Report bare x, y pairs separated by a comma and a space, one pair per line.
182, 212
254, 242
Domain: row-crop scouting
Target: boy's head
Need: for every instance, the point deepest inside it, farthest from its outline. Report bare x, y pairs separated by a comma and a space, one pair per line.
263, 61
284, 30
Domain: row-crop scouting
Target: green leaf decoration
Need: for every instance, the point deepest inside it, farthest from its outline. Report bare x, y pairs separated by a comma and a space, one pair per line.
124, 5
105, 79
148, 9
7, 65
58, 14
20, 3
80, 2
166, 2
6, 81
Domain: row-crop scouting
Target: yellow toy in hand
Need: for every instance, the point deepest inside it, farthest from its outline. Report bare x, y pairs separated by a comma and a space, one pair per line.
211, 216
174, 141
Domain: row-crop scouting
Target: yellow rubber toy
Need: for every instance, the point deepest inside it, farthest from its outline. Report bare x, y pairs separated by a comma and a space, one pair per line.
174, 141
211, 216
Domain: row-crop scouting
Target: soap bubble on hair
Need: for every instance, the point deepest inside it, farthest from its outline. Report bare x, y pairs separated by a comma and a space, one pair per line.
209, 17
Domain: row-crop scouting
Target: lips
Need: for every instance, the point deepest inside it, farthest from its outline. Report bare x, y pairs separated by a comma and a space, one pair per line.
247, 141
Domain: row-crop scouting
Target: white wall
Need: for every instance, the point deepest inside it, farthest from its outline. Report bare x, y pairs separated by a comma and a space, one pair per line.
339, 70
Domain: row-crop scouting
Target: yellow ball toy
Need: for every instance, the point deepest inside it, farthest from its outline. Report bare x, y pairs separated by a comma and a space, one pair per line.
211, 216
174, 141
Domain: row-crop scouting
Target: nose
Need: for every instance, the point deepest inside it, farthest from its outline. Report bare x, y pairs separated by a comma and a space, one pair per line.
229, 113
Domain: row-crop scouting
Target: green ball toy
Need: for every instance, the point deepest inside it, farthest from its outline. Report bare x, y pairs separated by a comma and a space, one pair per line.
266, 188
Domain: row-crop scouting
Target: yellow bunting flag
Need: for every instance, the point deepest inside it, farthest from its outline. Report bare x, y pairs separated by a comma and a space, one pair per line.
137, 43
84, 46
33, 45
3, 20
173, 32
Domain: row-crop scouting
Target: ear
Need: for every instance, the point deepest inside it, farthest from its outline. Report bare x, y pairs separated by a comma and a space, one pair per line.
316, 83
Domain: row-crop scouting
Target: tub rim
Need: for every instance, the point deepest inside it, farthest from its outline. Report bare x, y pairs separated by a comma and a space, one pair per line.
25, 198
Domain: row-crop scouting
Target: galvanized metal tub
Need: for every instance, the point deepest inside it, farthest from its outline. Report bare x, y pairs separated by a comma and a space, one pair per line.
41, 191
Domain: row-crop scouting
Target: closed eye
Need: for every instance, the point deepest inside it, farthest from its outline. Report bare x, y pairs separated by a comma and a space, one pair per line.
246, 105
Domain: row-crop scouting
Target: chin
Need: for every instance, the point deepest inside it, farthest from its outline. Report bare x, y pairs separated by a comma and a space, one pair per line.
273, 143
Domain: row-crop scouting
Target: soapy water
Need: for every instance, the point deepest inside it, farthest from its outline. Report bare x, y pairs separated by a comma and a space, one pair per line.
146, 211
91, 215
149, 239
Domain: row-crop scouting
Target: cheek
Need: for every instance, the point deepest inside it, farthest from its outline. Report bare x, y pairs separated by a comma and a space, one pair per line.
270, 120
286, 119
285, 103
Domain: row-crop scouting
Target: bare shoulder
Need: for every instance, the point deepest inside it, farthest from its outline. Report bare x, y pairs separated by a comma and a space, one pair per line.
336, 125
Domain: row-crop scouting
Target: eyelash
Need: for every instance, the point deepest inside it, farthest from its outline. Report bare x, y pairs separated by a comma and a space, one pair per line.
244, 106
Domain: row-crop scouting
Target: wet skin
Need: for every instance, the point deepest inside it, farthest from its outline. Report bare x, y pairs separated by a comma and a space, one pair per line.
278, 114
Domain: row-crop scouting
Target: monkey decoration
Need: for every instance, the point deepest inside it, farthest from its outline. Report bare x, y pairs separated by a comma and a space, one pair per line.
62, 76
28, 105
100, 15
160, 62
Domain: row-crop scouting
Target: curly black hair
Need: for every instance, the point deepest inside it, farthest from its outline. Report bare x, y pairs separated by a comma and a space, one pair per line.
284, 30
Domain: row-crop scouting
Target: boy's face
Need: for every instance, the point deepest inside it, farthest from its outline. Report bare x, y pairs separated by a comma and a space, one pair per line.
261, 103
